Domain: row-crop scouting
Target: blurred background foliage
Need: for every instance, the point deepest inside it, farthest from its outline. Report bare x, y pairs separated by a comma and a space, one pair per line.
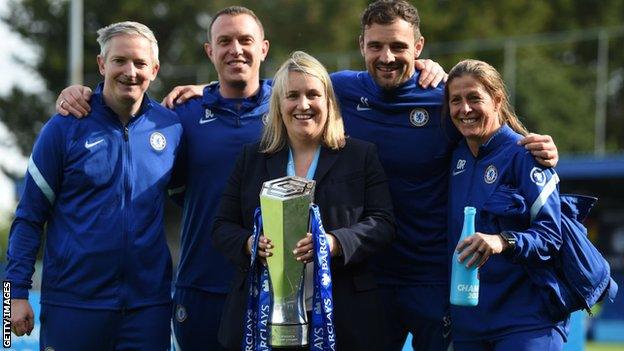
553, 82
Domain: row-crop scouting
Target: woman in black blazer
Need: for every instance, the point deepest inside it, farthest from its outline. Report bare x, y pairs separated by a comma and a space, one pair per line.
351, 192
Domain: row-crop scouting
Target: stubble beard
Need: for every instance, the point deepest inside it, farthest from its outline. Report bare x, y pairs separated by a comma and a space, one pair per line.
239, 85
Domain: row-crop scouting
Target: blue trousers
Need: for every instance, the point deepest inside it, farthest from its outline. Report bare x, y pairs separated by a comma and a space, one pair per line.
196, 318
421, 310
69, 328
548, 339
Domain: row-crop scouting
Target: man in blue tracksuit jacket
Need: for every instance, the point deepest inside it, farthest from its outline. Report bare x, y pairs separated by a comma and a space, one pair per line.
215, 128
230, 114
510, 306
98, 186
415, 148
386, 105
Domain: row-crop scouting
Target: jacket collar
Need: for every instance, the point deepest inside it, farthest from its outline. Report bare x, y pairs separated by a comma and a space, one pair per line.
98, 102
325, 163
212, 98
502, 135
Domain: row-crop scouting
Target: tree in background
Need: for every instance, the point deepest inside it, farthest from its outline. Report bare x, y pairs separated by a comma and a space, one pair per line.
554, 83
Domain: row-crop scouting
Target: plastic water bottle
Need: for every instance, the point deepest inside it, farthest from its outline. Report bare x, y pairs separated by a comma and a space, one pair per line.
464, 282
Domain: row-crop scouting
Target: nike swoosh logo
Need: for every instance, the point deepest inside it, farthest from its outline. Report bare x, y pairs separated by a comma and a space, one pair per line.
208, 120
360, 108
456, 172
89, 145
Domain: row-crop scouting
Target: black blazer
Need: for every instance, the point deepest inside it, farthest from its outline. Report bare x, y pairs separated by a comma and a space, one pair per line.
355, 205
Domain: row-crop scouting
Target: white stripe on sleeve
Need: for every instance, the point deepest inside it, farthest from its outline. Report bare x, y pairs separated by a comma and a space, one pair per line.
543, 196
40, 180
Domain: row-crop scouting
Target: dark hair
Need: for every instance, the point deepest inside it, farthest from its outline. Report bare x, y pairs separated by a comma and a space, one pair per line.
235, 11
388, 11
493, 83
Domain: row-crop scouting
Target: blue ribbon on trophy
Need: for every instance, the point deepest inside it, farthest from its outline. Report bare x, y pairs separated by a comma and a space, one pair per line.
258, 305
323, 334
259, 302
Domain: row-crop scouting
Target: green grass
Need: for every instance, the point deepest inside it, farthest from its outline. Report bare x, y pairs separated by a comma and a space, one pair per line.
593, 346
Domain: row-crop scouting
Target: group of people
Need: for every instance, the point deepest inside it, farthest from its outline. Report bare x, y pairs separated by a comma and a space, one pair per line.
395, 158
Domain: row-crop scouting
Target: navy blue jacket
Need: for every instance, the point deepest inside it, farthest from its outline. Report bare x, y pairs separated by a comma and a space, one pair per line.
98, 188
355, 206
415, 146
508, 299
215, 130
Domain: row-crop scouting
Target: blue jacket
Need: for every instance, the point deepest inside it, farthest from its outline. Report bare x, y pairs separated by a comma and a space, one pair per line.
415, 146
98, 188
215, 130
580, 277
507, 295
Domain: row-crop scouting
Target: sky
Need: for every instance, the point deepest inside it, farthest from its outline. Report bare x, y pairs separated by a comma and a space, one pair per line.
12, 74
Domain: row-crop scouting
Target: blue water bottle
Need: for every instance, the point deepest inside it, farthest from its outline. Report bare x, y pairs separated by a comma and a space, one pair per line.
464, 282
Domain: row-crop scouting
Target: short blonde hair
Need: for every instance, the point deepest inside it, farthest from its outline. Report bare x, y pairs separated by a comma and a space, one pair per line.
274, 136
105, 34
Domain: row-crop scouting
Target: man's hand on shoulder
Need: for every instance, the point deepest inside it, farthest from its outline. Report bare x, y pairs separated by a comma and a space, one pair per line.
431, 73
181, 94
74, 100
542, 147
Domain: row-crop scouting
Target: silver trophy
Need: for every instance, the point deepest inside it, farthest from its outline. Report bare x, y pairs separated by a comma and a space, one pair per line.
285, 204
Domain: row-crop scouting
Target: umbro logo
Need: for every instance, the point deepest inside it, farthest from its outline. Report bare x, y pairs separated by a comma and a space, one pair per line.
208, 117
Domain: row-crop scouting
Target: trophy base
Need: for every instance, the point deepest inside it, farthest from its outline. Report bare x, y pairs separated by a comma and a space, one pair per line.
288, 335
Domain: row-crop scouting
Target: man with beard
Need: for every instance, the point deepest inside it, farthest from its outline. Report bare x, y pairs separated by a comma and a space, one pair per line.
386, 106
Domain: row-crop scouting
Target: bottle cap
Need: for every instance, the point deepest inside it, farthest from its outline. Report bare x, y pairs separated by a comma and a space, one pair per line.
470, 210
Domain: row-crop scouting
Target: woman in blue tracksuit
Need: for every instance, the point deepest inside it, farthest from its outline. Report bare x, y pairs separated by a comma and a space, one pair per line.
518, 218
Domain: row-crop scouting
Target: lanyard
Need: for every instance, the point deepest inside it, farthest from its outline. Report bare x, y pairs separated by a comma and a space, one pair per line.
290, 167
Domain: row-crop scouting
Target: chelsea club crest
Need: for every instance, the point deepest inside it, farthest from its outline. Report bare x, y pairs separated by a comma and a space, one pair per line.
180, 313
491, 173
419, 117
158, 141
537, 176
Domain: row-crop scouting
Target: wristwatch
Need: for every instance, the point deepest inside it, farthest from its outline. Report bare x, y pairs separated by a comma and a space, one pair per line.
509, 238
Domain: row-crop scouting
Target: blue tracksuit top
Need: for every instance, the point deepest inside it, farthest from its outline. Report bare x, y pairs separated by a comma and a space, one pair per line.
215, 129
100, 188
415, 146
508, 300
